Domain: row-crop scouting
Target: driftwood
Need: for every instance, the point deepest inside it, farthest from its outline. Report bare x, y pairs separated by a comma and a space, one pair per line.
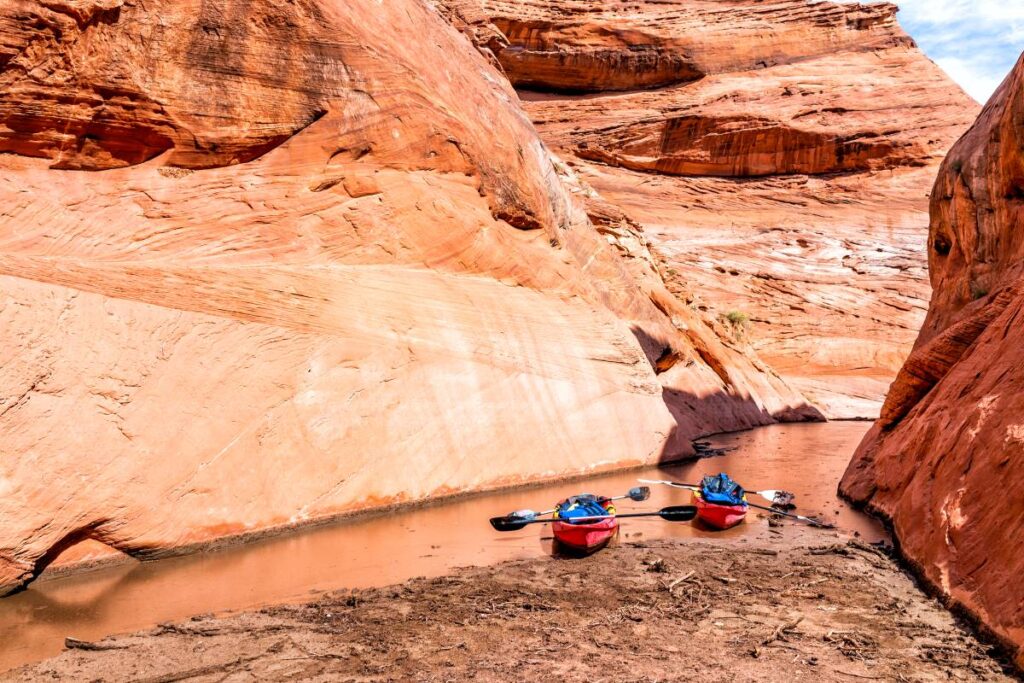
76, 644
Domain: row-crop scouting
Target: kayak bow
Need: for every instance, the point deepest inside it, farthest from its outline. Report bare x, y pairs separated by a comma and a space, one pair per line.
584, 535
718, 516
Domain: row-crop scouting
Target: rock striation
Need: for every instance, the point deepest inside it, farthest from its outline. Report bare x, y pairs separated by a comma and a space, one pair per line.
266, 263
777, 155
942, 463
578, 46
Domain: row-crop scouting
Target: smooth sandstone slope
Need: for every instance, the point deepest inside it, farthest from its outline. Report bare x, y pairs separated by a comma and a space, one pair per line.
777, 154
943, 462
265, 263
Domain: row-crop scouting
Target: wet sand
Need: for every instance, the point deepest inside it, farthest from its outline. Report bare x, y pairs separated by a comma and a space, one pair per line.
427, 541
784, 604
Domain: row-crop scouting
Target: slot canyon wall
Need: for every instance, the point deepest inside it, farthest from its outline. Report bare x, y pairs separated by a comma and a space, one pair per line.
263, 263
943, 462
777, 155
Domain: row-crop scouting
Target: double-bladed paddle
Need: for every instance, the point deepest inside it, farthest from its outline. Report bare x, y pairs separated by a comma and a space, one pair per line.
637, 493
777, 496
763, 494
809, 520
675, 513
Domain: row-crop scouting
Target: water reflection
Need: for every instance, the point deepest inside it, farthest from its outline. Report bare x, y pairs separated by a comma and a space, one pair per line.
430, 541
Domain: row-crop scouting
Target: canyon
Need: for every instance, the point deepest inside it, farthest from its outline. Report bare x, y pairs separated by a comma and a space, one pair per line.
942, 462
263, 265
781, 174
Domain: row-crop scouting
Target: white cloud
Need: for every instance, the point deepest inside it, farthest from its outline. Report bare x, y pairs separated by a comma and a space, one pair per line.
976, 42
948, 12
978, 79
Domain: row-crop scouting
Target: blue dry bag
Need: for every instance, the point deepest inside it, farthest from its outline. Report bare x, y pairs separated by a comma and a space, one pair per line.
722, 490
583, 505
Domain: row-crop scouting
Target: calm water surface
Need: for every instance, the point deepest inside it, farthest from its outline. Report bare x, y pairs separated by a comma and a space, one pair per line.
805, 459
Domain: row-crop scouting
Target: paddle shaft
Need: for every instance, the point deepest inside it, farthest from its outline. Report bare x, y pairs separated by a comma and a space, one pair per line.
599, 500
809, 520
693, 487
673, 513
573, 520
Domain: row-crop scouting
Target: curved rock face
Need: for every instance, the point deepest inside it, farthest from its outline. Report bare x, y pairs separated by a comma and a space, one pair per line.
942, 462
263, 263
136, 95
582, 46
741, 146
781, 175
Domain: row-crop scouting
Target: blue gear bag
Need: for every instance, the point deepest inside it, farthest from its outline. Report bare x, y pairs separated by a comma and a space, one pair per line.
722, 490
583, 505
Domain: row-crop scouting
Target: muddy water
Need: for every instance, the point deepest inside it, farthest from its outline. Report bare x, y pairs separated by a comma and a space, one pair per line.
805, 459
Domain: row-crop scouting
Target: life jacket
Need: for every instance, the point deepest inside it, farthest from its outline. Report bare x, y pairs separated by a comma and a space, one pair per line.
583, 505
721, 490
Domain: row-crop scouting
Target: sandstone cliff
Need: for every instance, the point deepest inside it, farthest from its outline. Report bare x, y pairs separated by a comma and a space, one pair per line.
262, 263
943, 461
778, 155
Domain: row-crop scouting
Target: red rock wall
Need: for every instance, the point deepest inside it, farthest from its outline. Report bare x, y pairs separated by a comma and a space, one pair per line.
742, 146
943, 462
263, 263
777, 155
582, 46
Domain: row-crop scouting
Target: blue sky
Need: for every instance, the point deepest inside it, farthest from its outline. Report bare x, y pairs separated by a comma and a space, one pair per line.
976, 42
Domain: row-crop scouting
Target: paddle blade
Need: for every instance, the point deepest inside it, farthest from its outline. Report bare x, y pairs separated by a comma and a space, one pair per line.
678, 513
639, 493
778, 498
508, 523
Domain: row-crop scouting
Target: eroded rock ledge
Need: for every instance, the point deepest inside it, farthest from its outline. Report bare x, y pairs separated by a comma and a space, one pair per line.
581, 46
743, 147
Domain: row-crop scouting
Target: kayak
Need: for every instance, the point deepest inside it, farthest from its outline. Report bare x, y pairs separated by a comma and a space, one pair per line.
586, 537
718, 516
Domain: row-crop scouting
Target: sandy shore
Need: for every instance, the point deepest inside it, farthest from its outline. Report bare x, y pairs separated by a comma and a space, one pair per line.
807, 607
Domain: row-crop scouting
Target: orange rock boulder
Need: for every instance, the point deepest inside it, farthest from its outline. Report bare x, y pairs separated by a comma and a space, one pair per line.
943, 462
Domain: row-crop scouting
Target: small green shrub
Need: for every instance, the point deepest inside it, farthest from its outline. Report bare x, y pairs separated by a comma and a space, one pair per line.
957, 166
737, 322
737, 317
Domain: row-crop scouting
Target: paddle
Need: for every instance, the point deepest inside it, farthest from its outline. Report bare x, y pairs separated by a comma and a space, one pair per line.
637, 493
771, 495
809, 520
675, 513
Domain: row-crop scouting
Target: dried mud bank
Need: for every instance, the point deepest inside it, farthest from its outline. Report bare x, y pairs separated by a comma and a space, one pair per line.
788, 604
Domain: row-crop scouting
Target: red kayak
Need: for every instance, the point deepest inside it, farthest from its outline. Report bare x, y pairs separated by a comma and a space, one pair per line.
718, 516
586, 537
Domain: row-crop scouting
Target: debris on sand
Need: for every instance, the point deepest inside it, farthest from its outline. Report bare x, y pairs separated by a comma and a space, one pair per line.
777, 609
704, 449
